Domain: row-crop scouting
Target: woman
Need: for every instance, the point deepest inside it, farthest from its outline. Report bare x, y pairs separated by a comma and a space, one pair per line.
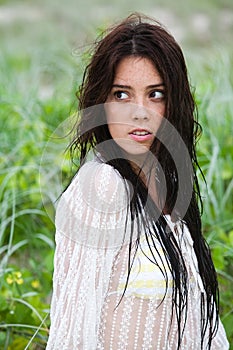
132, 269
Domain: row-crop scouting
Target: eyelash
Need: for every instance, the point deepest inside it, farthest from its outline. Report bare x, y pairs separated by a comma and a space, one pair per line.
119, 92
158, 91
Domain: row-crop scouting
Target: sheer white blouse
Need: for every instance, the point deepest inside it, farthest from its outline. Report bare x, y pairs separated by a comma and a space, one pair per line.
91, 267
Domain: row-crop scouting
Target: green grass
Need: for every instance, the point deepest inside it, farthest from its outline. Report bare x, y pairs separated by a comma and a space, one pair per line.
215, 151
41, 65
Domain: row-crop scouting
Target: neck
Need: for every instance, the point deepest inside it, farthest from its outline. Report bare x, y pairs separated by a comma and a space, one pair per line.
147, 171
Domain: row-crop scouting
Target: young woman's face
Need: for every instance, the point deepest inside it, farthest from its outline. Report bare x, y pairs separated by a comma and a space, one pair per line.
135, 105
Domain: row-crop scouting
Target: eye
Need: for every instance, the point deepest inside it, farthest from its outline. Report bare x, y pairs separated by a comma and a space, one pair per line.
157, 94
121, 95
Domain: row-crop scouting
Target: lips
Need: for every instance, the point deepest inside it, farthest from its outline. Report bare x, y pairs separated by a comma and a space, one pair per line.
140, 132
141, 135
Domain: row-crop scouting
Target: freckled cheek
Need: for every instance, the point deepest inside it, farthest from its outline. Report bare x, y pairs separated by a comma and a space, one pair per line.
117, 131
162, 112
159, 109
159, 115
117, 112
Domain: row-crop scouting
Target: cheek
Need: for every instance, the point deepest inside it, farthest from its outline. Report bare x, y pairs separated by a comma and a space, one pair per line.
159, 116
160, 109
163, 110
117, 112
117, 119
157, 119
115, 130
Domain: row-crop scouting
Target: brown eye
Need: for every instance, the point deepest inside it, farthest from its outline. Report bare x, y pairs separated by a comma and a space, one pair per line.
157, 94
120, 95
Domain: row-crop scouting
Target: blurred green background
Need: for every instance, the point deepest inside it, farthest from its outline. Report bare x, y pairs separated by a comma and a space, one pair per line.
42, 57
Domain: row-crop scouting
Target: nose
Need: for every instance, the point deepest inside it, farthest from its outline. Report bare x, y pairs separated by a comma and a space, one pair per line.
139, 112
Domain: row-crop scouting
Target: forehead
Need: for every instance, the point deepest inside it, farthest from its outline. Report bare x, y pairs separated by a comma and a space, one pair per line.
136, 69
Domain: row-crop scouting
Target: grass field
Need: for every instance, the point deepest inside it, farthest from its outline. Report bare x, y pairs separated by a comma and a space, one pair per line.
41, 63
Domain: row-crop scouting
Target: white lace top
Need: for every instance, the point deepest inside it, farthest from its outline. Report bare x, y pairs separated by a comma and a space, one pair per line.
90, 271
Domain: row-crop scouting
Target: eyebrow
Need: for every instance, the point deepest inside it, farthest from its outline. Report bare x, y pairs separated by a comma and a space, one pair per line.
130, 88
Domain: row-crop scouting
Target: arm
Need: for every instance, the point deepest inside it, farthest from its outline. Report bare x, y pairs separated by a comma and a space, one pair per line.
90, 225
220, 340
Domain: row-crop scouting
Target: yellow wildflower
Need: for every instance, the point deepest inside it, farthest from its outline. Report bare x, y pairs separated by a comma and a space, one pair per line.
17, 274
35, 284
15, 277
19, 281
9, 279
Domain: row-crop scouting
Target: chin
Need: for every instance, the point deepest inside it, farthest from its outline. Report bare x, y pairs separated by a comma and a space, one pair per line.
137, 156
133, 148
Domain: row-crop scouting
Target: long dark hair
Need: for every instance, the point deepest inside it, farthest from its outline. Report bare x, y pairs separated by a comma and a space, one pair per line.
140, 36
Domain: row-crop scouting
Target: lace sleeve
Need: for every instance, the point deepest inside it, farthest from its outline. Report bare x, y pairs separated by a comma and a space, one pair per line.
90, 229
220, 340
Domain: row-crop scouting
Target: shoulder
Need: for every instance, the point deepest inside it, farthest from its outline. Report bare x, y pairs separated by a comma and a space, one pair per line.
103, 178
94, 206
101, 174
98, 182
